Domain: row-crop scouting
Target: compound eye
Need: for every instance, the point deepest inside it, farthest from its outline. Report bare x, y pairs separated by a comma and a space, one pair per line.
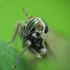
39, 26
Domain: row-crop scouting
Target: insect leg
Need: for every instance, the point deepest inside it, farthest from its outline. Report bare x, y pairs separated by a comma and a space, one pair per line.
28, 44
15, 33
17, 59
37, 58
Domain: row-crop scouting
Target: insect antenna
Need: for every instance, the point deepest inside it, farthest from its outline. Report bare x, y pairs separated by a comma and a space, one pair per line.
26, 14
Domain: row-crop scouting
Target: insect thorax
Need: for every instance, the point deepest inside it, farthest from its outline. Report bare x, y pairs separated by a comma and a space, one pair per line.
33, 24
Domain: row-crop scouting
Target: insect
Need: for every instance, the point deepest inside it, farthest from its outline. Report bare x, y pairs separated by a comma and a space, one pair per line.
33, 34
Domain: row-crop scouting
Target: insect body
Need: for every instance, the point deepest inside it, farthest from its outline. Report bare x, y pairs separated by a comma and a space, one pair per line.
33, 33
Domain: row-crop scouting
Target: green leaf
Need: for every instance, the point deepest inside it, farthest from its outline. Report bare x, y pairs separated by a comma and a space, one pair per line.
8, 56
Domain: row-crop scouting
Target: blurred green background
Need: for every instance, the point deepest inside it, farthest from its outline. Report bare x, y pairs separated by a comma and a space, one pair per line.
56, 13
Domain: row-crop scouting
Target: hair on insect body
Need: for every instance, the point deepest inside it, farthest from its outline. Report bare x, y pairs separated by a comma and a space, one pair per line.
33, 34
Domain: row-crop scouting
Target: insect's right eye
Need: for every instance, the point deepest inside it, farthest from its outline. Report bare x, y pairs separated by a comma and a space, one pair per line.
39, 26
